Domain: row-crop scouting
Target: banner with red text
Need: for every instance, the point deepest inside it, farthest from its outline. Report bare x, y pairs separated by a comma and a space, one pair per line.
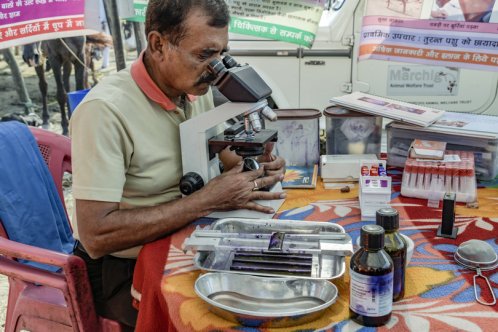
451, 33
28, 21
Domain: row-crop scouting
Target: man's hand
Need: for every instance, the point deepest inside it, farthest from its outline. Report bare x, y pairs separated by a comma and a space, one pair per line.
236, 190
439, 13
272, 164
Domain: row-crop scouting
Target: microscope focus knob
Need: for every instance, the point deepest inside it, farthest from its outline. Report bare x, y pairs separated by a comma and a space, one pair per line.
191, 182
250, 164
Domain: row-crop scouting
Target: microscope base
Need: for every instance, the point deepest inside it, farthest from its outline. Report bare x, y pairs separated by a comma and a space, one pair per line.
275, 204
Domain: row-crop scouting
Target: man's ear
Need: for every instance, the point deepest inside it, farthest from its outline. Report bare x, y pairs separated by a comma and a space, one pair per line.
156, 43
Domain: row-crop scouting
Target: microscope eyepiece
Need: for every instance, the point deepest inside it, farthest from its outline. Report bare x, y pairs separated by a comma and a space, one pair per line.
238, 83
216, 67
229, 61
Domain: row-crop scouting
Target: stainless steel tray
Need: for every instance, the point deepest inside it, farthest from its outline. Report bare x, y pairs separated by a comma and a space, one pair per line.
317, 261
261, 301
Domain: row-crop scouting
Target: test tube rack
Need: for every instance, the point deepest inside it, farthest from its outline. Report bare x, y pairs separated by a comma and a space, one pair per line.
454, 174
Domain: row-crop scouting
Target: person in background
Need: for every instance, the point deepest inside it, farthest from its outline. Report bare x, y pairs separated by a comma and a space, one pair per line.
105, 29
126, 150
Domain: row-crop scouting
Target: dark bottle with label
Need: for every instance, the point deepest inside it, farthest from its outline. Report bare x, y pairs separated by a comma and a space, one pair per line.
371, 270
395, 246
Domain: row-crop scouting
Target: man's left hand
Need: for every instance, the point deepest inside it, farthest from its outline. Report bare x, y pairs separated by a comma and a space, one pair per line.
273, 164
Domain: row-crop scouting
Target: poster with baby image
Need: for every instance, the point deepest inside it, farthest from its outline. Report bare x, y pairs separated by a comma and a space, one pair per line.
463, 10
449, 33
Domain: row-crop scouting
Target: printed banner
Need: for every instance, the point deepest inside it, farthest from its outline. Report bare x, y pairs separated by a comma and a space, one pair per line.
452, 33
292, 21
140, 7
452, 44
27, 21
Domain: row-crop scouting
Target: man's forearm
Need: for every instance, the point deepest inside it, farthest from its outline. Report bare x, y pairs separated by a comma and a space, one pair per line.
104, 228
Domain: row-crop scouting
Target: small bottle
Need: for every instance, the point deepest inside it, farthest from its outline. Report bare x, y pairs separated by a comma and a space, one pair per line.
371, 269
365, 170
407, 173
395, 246
420, 177
456, 179
374, 170
382, 170
448, 174
413, 177
427, 176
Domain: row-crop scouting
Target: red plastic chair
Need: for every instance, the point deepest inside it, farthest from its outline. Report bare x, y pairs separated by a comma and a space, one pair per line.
45, 301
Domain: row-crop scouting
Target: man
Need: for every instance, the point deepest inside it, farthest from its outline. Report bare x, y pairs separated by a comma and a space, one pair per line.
105, 30
126, 150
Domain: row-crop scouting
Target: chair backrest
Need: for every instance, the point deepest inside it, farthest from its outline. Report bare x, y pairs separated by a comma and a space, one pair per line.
72, 281
56, 151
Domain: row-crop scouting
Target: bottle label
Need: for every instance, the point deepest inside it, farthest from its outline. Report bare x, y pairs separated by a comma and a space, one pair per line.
399, 275
371, 296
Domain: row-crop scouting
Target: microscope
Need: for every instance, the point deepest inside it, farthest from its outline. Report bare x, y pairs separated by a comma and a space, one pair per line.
204, 136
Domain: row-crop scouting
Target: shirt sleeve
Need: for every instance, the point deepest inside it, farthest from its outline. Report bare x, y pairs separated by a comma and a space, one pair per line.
101, 152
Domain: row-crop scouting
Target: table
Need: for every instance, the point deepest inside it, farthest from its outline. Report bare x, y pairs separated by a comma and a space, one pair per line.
438, 295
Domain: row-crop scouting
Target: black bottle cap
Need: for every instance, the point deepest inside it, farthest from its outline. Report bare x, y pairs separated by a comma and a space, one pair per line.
388, 218
372, 237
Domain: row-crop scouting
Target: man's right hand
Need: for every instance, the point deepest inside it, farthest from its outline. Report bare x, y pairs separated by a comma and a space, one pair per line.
235, 189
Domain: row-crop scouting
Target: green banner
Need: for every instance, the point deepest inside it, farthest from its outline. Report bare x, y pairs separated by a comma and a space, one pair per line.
140, 7
293, 21
271, 31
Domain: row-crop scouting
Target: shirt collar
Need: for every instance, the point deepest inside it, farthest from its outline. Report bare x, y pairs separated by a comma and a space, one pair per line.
149, 87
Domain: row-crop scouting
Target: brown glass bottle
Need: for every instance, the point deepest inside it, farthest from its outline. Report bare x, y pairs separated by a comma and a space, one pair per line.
371, 271
395, 246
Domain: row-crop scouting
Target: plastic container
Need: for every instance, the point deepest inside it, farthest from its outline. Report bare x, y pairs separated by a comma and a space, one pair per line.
74, 98
351, 132
298, 136
342, 167
484, 149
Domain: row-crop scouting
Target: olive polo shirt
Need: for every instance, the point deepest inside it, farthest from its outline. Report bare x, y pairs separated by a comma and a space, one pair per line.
126, 142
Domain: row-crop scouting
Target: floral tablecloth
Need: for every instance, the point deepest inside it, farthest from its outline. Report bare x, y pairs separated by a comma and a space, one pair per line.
439, 295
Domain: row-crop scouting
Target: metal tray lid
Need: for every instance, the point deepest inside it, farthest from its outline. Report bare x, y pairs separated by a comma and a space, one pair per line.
336, 111
271, 247
298, 114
